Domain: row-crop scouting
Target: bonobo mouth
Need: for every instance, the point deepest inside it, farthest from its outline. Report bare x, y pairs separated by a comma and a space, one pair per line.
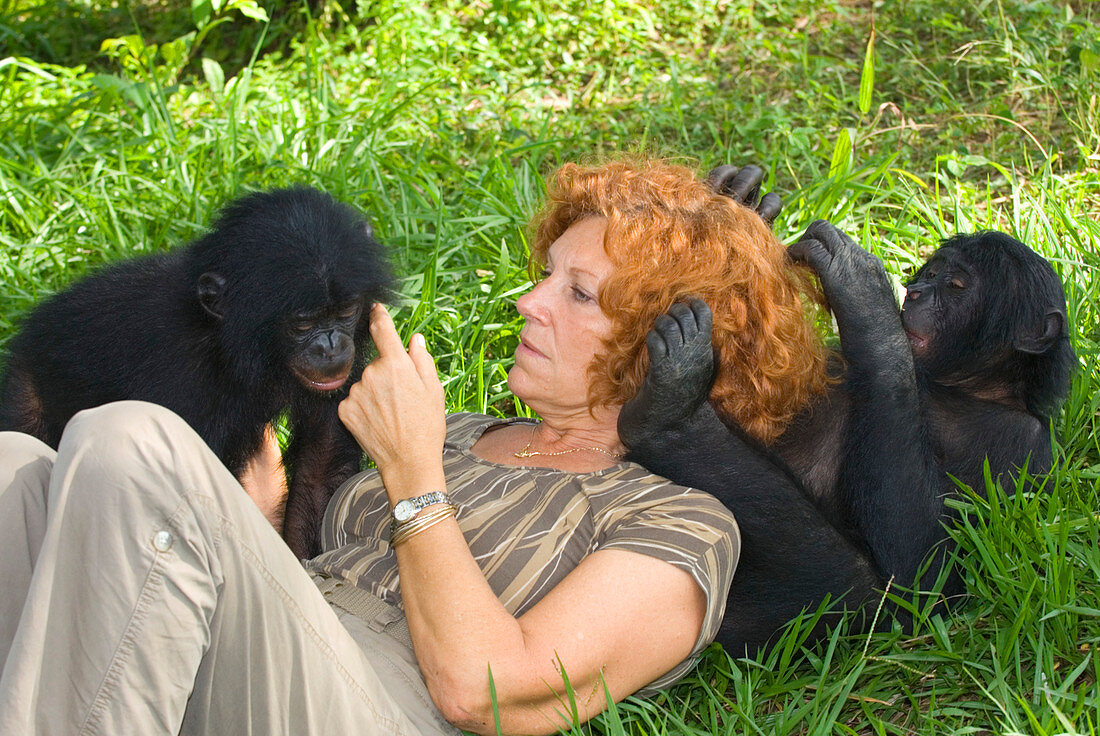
323, 382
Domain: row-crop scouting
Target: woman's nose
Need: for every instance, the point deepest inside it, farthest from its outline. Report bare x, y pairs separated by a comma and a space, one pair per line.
532, 305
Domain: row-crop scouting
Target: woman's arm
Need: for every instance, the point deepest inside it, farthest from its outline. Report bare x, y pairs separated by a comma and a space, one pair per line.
621, 615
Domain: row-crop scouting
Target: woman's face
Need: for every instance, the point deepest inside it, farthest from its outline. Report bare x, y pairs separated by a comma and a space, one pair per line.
565, 326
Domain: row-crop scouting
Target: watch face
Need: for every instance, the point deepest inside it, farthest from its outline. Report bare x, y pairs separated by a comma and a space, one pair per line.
404, 510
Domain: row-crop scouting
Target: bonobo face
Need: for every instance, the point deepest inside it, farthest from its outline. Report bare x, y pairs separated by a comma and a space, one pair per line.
321, 346
941, 305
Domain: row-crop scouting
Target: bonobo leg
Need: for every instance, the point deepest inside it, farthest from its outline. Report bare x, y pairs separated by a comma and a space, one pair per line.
321, 456
791, 556
20, 408
889, 474
681, 371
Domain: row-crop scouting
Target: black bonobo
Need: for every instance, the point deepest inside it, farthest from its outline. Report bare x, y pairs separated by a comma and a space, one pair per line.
265, 314
972, 369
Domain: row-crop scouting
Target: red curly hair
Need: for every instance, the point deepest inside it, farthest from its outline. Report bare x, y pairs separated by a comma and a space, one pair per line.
670, 236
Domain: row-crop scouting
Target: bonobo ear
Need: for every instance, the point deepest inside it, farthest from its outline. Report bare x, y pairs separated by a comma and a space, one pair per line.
1054, 328
210, 289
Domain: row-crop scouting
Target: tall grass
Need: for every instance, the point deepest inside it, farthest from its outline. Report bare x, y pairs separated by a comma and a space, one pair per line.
440, 119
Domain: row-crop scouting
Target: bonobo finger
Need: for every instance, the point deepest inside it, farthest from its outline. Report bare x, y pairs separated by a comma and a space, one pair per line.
685, 325
820, 230
704, 318
684, 317
769, 208
669, 329
812, 252
656, 344
825, 233
744, 187
832, 237
719, 175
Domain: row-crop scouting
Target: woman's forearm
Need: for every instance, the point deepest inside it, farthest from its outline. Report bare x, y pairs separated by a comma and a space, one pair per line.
461, 632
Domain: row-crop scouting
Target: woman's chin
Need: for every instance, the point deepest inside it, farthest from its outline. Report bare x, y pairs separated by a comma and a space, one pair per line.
516, 382
524, 386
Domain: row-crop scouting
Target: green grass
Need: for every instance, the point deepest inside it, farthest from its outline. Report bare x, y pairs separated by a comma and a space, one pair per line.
440, 120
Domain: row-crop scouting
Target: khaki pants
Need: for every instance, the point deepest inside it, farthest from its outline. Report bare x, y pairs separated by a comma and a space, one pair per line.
142, 592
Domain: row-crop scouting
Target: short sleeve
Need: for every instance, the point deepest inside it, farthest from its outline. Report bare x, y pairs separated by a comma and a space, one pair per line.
690, 530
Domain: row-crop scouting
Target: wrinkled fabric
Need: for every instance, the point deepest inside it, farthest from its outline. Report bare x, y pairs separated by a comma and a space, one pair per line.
143, 592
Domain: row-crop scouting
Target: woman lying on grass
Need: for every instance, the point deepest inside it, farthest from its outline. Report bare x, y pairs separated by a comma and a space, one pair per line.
482, 559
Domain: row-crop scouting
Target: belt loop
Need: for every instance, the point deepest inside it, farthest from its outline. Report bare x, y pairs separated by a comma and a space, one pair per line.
376, 613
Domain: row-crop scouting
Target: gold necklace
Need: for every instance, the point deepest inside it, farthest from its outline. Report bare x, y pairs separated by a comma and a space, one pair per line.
528, 452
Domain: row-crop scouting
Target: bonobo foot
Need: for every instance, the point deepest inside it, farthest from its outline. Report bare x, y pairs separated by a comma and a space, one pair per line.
859, 294
853, 280
742, 185
681, 371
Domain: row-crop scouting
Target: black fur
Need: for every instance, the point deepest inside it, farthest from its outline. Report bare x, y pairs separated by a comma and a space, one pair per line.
210, 331
970, 371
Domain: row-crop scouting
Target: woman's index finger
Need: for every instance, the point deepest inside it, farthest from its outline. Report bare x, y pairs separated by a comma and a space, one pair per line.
384, 333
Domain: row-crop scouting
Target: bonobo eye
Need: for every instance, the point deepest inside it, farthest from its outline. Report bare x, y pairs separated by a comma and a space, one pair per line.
348, 311
956, 283
302, 326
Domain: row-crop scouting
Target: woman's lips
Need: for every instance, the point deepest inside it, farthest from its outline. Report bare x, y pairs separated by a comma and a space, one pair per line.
526, 347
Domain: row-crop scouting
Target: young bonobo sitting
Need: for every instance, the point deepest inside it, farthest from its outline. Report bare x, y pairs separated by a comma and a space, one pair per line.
266, 313
970, 370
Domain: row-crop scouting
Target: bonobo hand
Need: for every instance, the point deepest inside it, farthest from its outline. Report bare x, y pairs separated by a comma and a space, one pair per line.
681, 371
854, 282
743, 186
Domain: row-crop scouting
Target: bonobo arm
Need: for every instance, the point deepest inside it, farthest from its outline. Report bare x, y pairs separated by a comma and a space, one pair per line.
321, 456
889, 473
791, 556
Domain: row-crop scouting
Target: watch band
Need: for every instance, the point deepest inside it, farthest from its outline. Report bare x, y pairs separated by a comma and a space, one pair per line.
407, 509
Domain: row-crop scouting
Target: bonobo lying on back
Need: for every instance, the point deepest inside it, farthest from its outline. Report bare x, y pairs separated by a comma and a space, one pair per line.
266, 313
985, 323
973, 368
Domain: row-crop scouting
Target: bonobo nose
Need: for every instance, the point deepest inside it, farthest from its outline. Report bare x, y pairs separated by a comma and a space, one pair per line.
331, 346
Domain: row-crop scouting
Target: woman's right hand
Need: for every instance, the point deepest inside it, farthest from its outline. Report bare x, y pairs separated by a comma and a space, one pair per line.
396, 410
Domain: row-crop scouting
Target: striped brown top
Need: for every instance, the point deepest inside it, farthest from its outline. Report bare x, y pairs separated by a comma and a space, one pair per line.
529, 527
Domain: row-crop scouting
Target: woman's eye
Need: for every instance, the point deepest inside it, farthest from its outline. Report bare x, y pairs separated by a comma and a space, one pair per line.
581, 296
544, 274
